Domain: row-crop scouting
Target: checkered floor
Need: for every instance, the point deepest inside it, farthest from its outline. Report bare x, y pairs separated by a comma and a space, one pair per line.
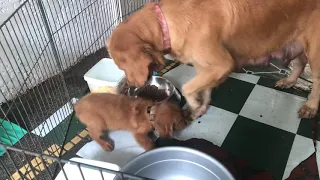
253, 120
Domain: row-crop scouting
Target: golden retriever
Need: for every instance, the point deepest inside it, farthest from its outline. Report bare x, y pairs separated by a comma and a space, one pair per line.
218, 37
102, 112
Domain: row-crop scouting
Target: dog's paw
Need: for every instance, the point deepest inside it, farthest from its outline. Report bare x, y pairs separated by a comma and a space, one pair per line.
285, 83
307, 112
203, 109
108, 145
199, 112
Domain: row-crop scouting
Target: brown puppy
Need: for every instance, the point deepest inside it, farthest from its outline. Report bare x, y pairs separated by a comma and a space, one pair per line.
217, 37
102, 112
168, 118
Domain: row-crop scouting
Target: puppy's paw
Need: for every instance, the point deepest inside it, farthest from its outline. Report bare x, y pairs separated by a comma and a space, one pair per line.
285, 83
108, 145
307, 111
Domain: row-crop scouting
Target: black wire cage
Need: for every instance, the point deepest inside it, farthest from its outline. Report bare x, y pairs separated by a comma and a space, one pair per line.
45, 49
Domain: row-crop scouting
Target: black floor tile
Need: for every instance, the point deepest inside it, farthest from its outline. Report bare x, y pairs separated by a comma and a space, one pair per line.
231, 95
305, 128
262, 146
270, 83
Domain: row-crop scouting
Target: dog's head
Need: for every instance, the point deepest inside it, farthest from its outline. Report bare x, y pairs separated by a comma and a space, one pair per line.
133, 55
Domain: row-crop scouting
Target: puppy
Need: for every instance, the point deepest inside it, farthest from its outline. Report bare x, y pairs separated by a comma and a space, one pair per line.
102, 112
219, 37
168, 117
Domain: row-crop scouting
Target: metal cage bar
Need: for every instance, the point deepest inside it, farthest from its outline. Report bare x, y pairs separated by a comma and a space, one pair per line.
62, 162
45, 49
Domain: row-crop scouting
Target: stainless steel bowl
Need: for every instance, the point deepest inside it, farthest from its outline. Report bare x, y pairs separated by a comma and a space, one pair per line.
176, 163
162, 84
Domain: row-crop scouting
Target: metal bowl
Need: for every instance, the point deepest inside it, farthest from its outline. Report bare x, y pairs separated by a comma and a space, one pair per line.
176, 163
163, 84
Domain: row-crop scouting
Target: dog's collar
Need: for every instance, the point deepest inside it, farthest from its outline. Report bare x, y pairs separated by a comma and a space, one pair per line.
164, 28
151, 112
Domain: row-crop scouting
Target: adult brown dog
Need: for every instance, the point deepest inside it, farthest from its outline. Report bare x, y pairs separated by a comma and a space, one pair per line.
102, 112
218, 37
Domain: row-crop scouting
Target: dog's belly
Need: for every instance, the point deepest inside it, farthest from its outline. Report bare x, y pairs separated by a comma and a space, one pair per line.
285, 54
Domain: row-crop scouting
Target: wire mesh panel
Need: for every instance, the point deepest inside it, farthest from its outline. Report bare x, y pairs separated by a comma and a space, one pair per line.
45, 49
38, 168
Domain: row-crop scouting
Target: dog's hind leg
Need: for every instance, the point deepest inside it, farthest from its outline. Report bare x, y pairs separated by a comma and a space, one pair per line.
99, 133
298, 66
101, 137
108, 142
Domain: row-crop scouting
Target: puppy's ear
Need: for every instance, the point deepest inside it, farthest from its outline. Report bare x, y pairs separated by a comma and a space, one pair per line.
156, 56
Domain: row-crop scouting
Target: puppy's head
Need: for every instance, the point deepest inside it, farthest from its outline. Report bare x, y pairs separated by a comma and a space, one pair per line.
138, 115
168, 118
133, 55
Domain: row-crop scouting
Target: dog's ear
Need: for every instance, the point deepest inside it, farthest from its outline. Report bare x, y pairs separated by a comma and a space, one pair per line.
156, 56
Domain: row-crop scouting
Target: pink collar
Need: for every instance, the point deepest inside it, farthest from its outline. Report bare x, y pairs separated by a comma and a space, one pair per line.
164, 28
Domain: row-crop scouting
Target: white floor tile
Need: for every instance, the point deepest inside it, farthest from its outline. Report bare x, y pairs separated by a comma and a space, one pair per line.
183, 73
180, 75
272, 107
302, 148
246, 77
169, 57
72, 170
126, 148
214, 126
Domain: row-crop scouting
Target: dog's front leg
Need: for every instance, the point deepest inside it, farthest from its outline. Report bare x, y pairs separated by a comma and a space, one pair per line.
298, 67
205, 96
211, 71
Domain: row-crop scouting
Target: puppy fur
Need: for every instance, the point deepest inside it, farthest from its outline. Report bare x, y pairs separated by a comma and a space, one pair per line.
169, 118
218, 37
102, 112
